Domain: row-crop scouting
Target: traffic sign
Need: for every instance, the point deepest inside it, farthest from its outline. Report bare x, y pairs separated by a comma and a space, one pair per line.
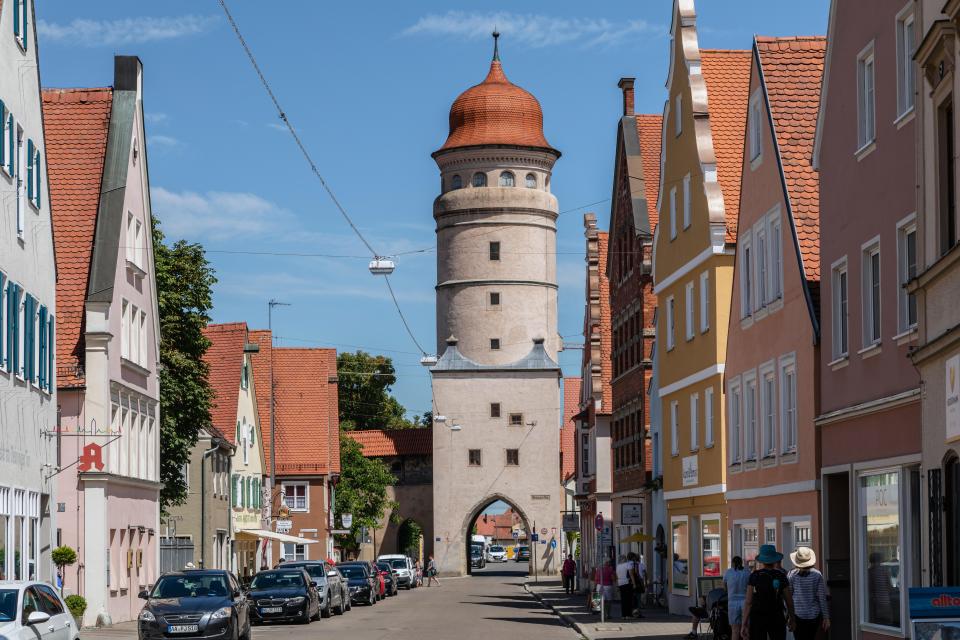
516, 535
553, 543
598, 522
543, 531
534, 537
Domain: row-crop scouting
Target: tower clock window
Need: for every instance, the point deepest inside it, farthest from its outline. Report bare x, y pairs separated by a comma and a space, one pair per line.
513, 457
516, 419
495, 344
456, 182
479, 179
531, 181
507, 179
473, 457
494, 298
494, 409
495, 250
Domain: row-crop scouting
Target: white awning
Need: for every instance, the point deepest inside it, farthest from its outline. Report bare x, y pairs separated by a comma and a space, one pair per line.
273, 535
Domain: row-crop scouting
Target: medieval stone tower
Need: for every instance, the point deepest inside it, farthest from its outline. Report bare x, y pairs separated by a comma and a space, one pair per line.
497, 381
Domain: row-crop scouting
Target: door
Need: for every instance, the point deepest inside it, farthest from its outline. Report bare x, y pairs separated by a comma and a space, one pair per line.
60, 617
836, 537
240, 603
32, 603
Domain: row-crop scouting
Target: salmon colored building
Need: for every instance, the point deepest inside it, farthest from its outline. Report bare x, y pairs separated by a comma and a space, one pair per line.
703, 127
772, 364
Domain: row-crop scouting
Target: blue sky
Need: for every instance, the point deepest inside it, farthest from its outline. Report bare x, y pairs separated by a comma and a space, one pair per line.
369, 86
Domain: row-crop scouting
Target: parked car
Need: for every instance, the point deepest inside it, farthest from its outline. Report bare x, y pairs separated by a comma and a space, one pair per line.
361, 583
379, 581
331, 587
496, 553
522, 554
390, 578
197, 602
284, 595
476, 558
34, 611
403, 566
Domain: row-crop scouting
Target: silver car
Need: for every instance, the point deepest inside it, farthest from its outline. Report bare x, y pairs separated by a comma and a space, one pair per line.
34, 611
331, 587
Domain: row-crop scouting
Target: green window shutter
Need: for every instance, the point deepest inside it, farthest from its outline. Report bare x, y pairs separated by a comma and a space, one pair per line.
42, 351
37, 190
238, 432
3, 323
28, 338
233, 490
8, 354
16, 18
50, 351
30, 169
3, 131
256, 494
16, 328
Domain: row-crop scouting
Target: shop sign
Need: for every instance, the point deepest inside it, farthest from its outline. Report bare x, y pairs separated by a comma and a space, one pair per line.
284, 526
690, 472
953, 398
631, 513
934, 602
571, 521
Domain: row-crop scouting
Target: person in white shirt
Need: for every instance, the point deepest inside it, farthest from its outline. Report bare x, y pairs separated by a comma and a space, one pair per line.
625, 583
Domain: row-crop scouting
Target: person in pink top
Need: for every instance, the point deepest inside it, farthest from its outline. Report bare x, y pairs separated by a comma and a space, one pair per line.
606, 578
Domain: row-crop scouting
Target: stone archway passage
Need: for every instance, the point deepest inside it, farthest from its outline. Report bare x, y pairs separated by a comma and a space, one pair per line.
496, 528
410, 539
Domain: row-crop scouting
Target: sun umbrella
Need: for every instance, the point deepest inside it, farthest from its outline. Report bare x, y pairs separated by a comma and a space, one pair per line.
638, 537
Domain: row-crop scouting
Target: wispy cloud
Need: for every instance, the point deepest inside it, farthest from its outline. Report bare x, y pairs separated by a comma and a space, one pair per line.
215, 215
530, 29
164, 141
124, 31
154, 117
276, 126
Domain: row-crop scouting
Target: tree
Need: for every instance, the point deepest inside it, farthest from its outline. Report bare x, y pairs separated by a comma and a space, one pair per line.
364, 392
362, 490
423, 421
185, 295
63, 557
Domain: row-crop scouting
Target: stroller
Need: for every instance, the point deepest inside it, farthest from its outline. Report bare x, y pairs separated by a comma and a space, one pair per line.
717, 614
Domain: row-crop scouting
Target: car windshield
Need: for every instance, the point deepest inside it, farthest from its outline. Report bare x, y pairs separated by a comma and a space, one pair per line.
384, 566
496, 549
277, 580
315, 570
8, 604
191, 586
475, 552
398, 563
352, 571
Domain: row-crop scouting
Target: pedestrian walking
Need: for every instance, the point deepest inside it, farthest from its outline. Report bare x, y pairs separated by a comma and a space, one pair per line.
568, 571
809, 591
638, 577
432, 572
606, 577
768, 593
625, 585
735, 582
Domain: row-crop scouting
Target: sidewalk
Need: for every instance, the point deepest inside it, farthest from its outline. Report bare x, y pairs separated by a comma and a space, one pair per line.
572, 609
119, 631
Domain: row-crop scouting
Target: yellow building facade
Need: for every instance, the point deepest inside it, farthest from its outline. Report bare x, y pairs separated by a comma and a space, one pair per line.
694, 247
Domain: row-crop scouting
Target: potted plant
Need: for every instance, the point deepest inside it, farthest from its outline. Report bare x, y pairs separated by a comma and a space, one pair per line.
77, 605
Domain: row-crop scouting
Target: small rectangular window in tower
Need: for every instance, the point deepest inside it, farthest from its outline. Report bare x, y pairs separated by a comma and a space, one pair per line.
513, 457
474, 457
494, 344
494, 409
516, 419
494, 298
495, 250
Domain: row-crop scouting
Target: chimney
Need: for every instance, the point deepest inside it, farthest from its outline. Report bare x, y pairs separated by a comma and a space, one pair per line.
626, 85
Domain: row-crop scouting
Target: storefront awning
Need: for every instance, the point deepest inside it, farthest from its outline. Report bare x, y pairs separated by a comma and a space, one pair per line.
273, 535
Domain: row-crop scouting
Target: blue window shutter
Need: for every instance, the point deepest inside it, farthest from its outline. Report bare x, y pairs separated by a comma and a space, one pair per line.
42, 351
30, 169
23, 18
3, 129
3, 324
8, 354
16, 17
37, 178
27, 337
50, 353
16, 328
11, 143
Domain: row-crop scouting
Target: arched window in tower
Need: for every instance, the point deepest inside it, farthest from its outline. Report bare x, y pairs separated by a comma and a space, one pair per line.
456, 182
479, 179
507, 180
531, 181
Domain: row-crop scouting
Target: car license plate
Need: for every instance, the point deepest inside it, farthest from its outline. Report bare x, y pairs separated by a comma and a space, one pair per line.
271, 609
183, 628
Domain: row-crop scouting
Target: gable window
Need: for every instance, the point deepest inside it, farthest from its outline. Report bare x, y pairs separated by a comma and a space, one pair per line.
906, 271
736, 418
296, 496
33, 174
531, 181
788, 404
768, 404
749, 419
755, 128
686, 201
494, 409
494, 344
776, 258
678, 115
21, 187
6, 139
760, 239
704, 301
516, 419
20, 11
494, 298
866, 105
495, 250
473, 457
673, 213
871, 294
125, 329
688, 310
245, 375
513, 457
746, 279
694, 421
905, 73
674, 428
479, 179
506, 179
585, 454
839, 309
670, 324
456, 182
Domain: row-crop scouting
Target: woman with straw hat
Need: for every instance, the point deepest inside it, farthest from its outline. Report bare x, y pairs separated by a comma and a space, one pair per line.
809, 591
768, 592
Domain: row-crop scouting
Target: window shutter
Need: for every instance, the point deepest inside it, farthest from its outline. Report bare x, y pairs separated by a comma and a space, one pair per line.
50, 349
30, 169
8, 356
233, 490
3, 130
42, 350
23, 22
16, 18
36, 178
11, 142
16, 328
31, 333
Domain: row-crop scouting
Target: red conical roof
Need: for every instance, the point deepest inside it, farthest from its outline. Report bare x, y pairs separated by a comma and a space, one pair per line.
496, 112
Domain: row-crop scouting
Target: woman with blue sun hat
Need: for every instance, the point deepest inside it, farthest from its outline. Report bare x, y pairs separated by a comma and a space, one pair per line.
768, 594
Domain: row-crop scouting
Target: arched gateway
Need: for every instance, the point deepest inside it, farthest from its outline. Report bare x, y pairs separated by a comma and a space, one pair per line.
496, 386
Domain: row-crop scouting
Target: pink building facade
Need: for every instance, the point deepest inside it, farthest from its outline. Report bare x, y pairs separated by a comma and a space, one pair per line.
108, 489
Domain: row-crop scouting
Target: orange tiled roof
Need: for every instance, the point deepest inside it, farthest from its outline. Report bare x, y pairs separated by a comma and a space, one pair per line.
727, 75
496, 111
568, 431
377, 443
75, 130
792, 73
606, 330
649, 131
224, 358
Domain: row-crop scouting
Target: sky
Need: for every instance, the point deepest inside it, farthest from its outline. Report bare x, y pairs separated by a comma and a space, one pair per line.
369, 87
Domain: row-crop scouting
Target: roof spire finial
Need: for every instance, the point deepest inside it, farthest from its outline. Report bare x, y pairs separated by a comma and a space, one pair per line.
496, 47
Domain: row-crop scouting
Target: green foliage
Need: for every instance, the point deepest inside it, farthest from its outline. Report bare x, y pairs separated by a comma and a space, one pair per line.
409, 536
185, 295
63, 556
364, 392
423, 421
76, 604
362, 490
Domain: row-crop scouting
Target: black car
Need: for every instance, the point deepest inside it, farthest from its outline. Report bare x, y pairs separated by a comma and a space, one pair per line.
360, 582
196, 604
523, 554
477, 561
389, 576
331, 587
283, 594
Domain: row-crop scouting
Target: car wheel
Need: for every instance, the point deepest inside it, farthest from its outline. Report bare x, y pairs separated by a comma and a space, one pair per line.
349, 603
325, 613
318, 614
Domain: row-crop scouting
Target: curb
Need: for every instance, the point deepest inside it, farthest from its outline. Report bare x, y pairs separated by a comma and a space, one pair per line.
567, 620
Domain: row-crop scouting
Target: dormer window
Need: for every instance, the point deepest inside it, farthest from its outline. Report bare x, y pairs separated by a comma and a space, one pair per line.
506, 179
531, 181
456, 182
479, 179
20, 22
